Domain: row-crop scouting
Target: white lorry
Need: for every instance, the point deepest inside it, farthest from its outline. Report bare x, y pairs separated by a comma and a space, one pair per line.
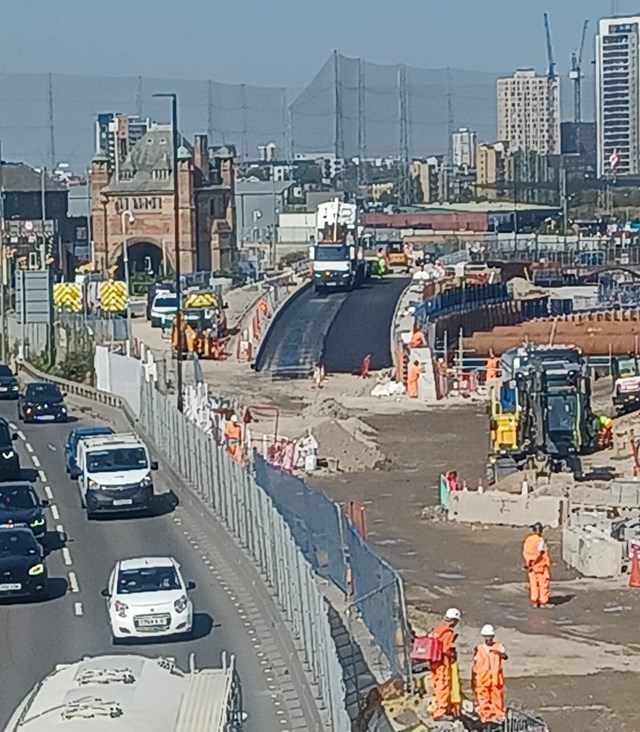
115, 474
128, 692
337, 257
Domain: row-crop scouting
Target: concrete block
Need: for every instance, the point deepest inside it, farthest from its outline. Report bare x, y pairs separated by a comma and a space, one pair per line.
591, 552
495, 507
626, 493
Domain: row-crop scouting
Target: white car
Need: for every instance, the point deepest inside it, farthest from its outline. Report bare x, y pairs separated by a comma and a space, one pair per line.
163, 309
147, 596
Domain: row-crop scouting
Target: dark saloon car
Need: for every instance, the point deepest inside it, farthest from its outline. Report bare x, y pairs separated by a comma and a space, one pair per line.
20, 505
9, 458
9, 388
71, 446
23, 572
42, 402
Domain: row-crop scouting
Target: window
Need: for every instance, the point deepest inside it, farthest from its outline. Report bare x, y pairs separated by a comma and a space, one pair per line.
147, 579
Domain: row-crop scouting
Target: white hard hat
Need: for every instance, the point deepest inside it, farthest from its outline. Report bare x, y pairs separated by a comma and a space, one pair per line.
488, 630
453, 614
234, 418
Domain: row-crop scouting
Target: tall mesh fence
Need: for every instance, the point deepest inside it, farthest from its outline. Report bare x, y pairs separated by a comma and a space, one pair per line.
335, 550
351, 105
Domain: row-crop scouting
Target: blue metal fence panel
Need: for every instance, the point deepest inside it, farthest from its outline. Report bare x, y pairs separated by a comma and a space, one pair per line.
377, 596
314, 519
332, 546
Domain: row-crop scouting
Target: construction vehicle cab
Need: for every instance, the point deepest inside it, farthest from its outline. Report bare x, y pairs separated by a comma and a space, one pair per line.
625, 377
541, 414
397, 255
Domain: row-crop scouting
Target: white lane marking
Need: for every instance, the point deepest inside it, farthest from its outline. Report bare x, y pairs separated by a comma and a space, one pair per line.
51, 447
48, 492
36, 461
28, 446
13, 425
54, 512
21, 435
66, 556
77, 608
43, 477
60, 529
73, 582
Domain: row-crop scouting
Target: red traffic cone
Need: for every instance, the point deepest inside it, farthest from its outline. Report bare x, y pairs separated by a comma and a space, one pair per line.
634, 576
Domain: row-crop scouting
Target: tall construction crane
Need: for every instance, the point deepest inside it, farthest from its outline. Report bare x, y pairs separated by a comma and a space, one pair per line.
551, 72
552, 83
576, 76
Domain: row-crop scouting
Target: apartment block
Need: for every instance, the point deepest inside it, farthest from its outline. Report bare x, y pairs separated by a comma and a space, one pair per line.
529, 112
618, 96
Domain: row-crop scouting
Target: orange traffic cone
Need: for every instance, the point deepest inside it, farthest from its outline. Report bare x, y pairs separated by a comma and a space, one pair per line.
634, 577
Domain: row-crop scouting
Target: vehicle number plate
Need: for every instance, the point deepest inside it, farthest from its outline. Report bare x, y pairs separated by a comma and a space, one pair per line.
46, 417
123, 502
4, 388
9, 587
152, 621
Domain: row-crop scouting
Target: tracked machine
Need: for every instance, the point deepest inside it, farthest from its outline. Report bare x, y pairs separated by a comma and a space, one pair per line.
541, 416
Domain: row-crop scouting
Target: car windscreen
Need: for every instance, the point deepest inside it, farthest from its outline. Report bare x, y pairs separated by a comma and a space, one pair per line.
147, 579
117, 458
331, 253
43, 391
5, 371
17, 543
166, 302
16, 497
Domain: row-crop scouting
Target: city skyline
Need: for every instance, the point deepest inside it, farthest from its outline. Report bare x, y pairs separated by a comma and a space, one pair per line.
232, 46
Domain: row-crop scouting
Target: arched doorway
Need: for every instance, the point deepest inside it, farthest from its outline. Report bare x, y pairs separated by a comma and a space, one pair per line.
145, 258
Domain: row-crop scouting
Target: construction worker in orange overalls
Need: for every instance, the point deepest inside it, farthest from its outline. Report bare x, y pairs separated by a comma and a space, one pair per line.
487, 678
538, 565
493, 366
233, 438
440, 670
413, 377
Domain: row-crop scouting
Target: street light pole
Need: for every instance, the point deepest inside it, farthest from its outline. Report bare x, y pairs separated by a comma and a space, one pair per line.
176, 239
126, 217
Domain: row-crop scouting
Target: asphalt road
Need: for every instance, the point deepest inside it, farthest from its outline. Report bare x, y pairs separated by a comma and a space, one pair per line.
338, 328
36, 636
362, 326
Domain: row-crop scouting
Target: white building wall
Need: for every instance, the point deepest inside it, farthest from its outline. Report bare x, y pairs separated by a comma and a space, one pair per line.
618, 94
529, 112
464, 144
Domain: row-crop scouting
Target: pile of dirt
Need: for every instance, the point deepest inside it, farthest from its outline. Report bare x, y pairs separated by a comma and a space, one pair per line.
348, 445
326, 408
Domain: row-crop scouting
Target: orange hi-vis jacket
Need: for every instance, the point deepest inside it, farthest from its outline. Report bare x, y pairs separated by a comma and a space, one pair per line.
488, 666
233, 433
536, 553
447, 636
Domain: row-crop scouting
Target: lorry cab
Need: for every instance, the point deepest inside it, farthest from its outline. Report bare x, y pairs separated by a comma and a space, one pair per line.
625, 375
115, 474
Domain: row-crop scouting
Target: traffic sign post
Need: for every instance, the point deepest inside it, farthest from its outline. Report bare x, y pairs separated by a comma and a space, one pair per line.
34, 305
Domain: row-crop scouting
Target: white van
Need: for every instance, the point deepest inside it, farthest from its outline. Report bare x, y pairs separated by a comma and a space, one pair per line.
115, 474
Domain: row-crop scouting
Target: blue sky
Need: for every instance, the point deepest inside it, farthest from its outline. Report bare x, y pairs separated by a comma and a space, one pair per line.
283, 43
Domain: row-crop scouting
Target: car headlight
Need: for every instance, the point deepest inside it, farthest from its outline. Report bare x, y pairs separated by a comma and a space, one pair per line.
14, 387
146, 481
92, 485
8, 455
120, 608
36, 569
63, 408
180, 604
36, 522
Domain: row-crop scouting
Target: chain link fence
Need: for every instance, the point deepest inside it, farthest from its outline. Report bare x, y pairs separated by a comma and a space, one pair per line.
336, 551
232, 492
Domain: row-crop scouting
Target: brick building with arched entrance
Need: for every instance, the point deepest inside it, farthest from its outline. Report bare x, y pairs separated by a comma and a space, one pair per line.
143, 186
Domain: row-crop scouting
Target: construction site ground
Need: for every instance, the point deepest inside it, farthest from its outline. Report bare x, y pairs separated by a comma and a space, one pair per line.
577, 664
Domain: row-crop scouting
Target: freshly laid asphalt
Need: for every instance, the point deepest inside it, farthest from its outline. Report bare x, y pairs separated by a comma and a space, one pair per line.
337, 328
233, 612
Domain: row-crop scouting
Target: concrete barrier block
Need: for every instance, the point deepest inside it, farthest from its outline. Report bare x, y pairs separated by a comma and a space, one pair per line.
626, 492
592, 553
495, 507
